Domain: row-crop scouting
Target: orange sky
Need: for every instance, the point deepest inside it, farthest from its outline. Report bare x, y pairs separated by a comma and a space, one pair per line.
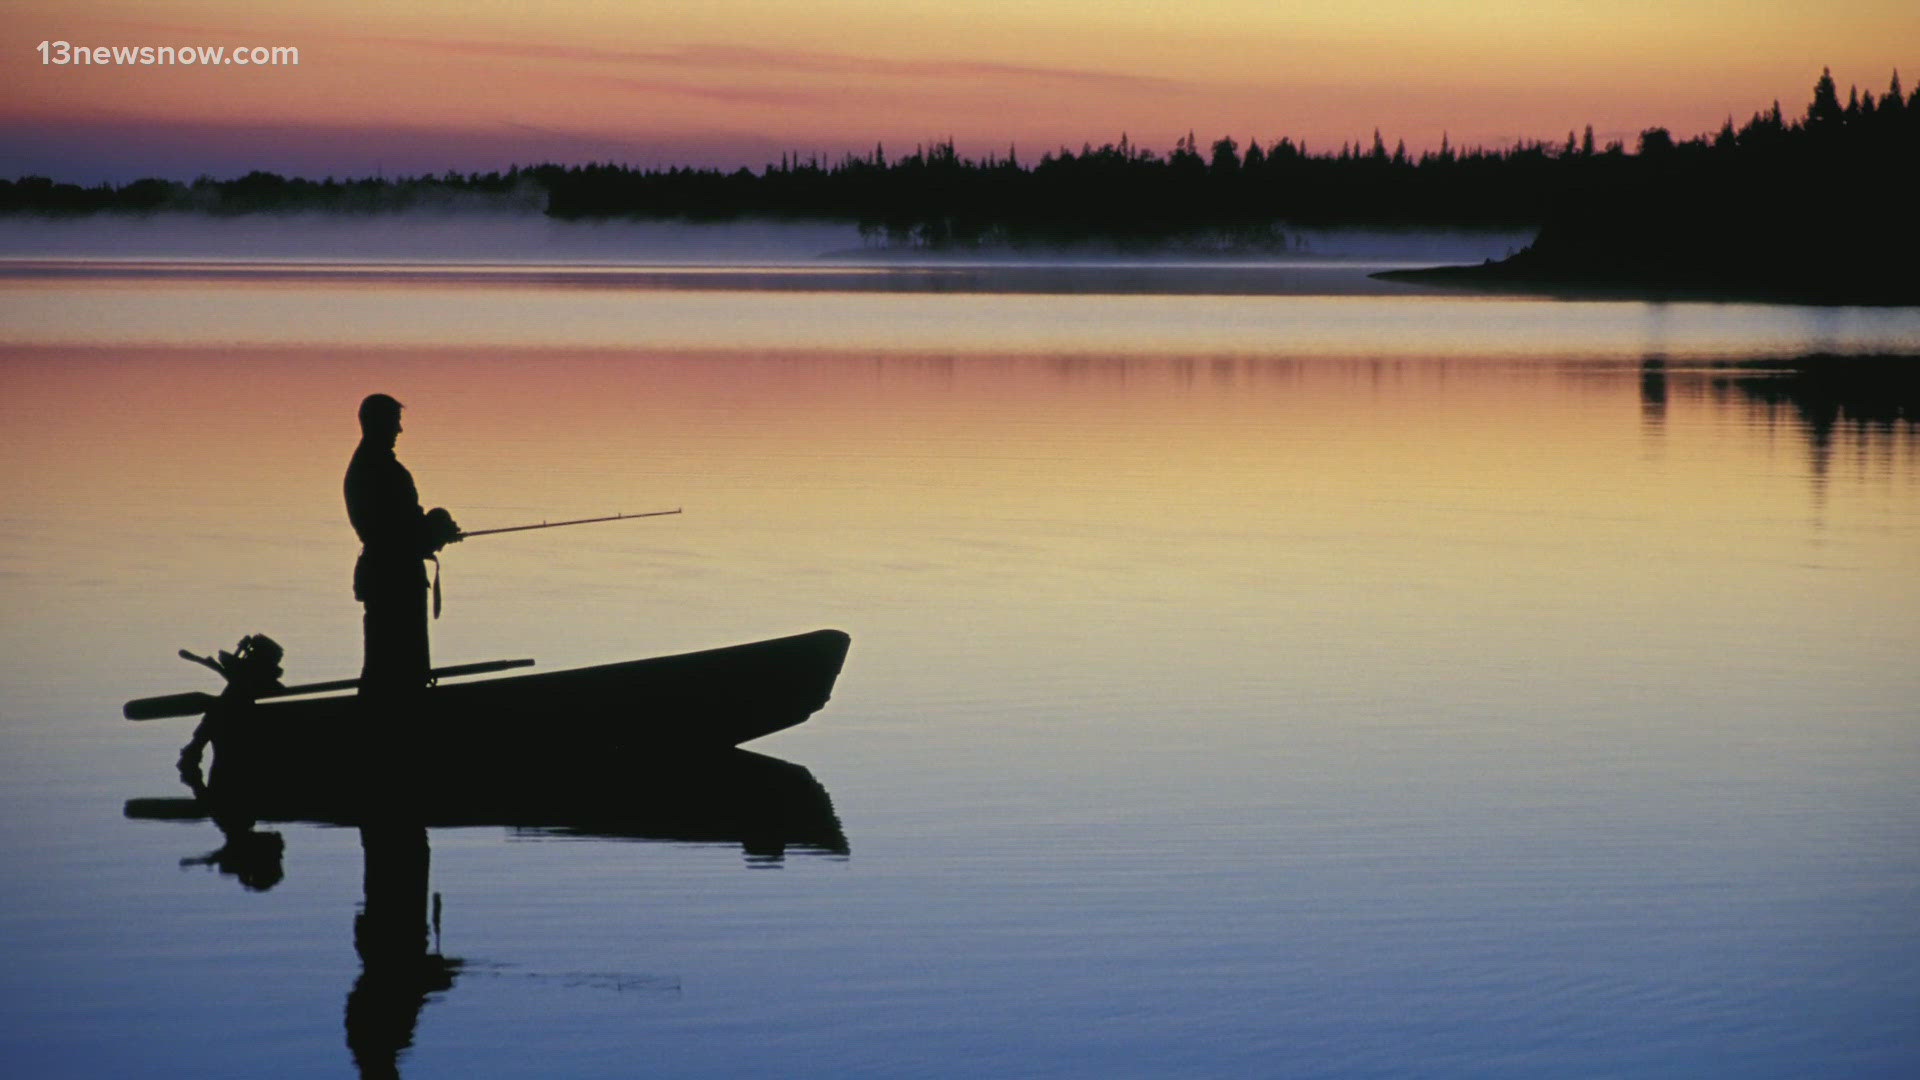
485, 83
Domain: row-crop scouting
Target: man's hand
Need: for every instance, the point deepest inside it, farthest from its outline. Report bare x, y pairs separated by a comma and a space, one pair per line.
441, 529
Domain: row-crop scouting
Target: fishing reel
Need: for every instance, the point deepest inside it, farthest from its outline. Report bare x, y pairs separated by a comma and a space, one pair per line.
441, 529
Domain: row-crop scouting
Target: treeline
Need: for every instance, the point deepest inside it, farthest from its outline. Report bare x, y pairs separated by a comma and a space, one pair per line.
933, 197
1221, 195
261, 192
1820, 208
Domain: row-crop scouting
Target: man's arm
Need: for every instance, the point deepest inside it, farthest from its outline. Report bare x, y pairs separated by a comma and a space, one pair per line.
383, 505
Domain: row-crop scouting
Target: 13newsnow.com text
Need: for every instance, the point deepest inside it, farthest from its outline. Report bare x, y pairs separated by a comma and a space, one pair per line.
64, 53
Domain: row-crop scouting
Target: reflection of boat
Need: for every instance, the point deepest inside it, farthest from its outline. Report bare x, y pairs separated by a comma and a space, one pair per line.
729, 796
707, 700
766, 805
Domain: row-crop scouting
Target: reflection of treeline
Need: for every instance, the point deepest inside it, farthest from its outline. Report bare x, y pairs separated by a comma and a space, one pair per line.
1872, 395
1871, 403
1818, 208
1841, 157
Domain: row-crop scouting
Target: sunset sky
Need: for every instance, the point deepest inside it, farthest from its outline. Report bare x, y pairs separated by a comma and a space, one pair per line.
482, 84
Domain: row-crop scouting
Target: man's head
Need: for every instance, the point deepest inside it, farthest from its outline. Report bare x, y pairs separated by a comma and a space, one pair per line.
380, 417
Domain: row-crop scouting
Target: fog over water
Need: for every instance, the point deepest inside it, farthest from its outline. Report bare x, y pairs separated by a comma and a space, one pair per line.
467, 237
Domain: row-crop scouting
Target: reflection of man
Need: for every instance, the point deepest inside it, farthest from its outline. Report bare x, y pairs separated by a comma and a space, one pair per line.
396, 536
397, 972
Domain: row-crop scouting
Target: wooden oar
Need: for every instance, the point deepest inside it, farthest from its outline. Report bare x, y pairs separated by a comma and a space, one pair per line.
195, 703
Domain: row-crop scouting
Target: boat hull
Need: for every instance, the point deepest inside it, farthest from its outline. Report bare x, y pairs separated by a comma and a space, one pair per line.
547, 722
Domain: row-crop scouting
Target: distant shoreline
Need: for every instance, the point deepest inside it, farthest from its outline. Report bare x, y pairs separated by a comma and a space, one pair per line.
1784, 210
1810, 211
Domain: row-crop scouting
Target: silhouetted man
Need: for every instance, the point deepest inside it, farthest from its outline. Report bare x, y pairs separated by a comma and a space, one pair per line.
396, 537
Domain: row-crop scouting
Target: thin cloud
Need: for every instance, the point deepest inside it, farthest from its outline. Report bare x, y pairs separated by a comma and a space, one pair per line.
790, 61
759, 97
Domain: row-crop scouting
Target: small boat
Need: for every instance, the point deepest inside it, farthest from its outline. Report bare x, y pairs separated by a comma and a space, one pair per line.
547, 721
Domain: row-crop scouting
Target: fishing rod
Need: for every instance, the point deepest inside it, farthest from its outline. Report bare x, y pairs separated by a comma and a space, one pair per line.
524, 528
559, 524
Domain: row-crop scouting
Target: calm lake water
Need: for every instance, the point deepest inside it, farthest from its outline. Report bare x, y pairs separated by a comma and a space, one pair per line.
1255, 672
